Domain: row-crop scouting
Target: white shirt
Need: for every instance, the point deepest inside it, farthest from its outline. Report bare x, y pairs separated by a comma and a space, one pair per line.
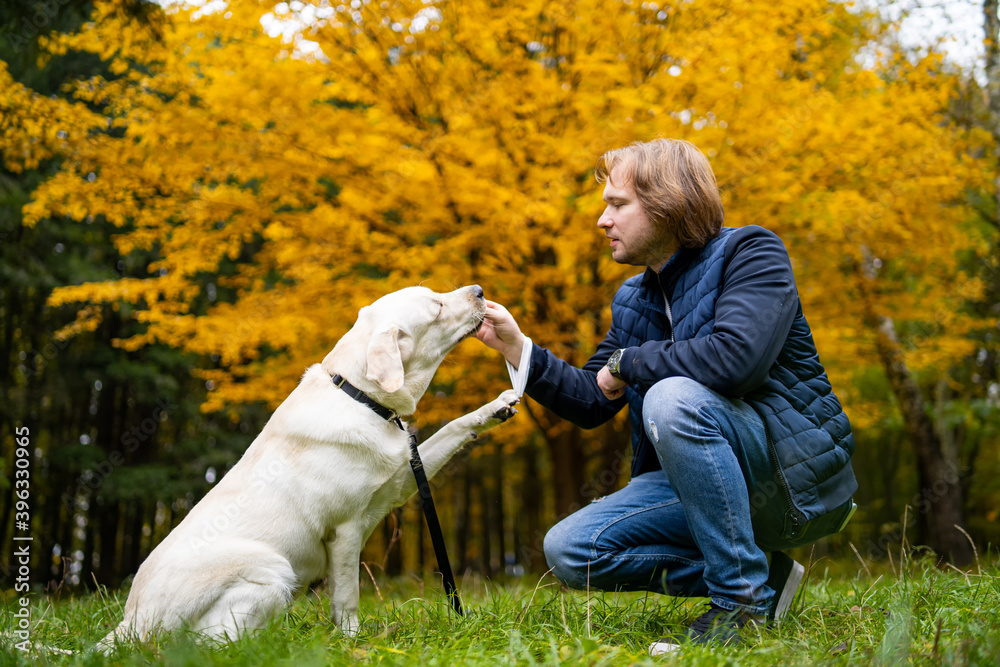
519, 376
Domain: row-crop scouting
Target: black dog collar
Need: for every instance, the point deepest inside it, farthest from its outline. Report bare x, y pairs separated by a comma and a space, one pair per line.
363, 398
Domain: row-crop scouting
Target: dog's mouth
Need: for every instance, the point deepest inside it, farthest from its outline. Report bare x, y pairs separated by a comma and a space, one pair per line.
475, 329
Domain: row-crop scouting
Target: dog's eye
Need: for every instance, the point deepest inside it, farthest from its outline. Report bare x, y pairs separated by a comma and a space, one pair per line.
439, 305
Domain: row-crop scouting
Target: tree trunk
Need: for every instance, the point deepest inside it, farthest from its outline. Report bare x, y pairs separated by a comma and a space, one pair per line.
87, 567
941, 503
567, 471
499, 518
49, 533
132, 539
66, 537
463, 517
7, 506
530, 551
422, 544
107, 573
613, 461
391, 527
485, 515
888, 462
991, 24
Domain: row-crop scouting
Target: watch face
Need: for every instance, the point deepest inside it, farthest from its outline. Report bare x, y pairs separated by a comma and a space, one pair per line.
614, 361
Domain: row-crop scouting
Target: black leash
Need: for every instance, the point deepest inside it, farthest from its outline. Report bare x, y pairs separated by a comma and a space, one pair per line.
423, 488
434, 526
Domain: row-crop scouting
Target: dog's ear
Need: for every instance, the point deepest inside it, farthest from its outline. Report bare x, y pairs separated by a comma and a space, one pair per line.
384, 361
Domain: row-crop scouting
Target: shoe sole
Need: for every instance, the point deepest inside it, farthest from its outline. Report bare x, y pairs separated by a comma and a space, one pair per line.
662, 648
792, 581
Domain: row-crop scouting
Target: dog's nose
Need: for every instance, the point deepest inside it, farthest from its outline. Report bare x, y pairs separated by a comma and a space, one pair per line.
477, 291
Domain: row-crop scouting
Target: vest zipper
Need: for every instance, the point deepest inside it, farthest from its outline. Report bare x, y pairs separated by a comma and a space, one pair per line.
670, 314
793, 515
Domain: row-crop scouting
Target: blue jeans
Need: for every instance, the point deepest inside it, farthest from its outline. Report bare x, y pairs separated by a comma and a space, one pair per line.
687, 530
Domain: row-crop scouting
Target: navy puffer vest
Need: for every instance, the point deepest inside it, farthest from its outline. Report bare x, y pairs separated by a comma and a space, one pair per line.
809, 433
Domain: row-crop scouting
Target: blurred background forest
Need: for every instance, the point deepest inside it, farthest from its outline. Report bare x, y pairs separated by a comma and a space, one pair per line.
195, 202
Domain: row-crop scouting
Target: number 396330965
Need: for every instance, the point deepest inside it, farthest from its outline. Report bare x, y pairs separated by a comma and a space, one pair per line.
22, 477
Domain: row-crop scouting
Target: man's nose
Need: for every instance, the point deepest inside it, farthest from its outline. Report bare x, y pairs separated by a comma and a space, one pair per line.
604, 220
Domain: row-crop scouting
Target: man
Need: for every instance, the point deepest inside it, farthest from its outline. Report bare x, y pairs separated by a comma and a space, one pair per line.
740, 447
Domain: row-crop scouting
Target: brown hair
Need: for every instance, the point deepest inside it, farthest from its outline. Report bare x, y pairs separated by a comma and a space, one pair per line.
674, 184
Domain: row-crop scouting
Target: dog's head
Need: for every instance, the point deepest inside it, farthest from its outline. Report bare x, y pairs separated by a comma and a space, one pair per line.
398, 342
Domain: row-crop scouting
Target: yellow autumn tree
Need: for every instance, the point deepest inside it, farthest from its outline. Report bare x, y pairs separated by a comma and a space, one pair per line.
283, 184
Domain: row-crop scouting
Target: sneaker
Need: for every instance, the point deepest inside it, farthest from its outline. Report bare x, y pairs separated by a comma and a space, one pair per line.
784, 579
717, 626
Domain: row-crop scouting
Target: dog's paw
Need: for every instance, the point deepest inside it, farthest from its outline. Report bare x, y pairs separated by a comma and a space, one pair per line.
501, 409
350, 625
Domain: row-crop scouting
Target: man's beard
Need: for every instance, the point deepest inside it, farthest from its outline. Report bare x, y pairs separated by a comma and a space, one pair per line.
650, 249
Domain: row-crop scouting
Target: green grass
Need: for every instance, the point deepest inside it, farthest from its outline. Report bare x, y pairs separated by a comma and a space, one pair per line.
920, 616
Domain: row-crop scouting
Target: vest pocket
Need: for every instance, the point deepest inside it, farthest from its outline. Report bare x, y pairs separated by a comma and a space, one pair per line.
800, 534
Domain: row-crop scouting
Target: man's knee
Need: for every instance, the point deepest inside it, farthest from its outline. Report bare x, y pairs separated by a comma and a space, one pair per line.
674, 391
671, 401
562, 552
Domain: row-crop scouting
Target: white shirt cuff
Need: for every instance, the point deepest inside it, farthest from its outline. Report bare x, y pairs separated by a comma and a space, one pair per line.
519, 376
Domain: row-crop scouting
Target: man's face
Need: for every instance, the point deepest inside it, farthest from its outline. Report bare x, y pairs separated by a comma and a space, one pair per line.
635, 240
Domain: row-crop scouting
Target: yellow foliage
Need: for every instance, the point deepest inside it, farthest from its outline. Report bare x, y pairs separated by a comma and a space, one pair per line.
454, 143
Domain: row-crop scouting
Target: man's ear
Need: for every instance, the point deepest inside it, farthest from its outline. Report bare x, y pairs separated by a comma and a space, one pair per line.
384, 362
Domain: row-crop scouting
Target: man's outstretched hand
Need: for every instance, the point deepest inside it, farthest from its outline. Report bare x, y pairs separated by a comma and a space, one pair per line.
500, 332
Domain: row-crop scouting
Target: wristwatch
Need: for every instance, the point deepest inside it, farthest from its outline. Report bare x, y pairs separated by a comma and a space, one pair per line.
614, 363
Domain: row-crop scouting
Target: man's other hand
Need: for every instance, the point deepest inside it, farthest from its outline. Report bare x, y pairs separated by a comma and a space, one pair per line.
611, 386
500, 332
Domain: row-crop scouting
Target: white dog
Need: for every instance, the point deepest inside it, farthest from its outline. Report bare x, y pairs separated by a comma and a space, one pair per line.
323, 473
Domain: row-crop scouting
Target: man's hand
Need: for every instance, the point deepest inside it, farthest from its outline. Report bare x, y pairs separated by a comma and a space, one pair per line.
611, 386
500, 332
